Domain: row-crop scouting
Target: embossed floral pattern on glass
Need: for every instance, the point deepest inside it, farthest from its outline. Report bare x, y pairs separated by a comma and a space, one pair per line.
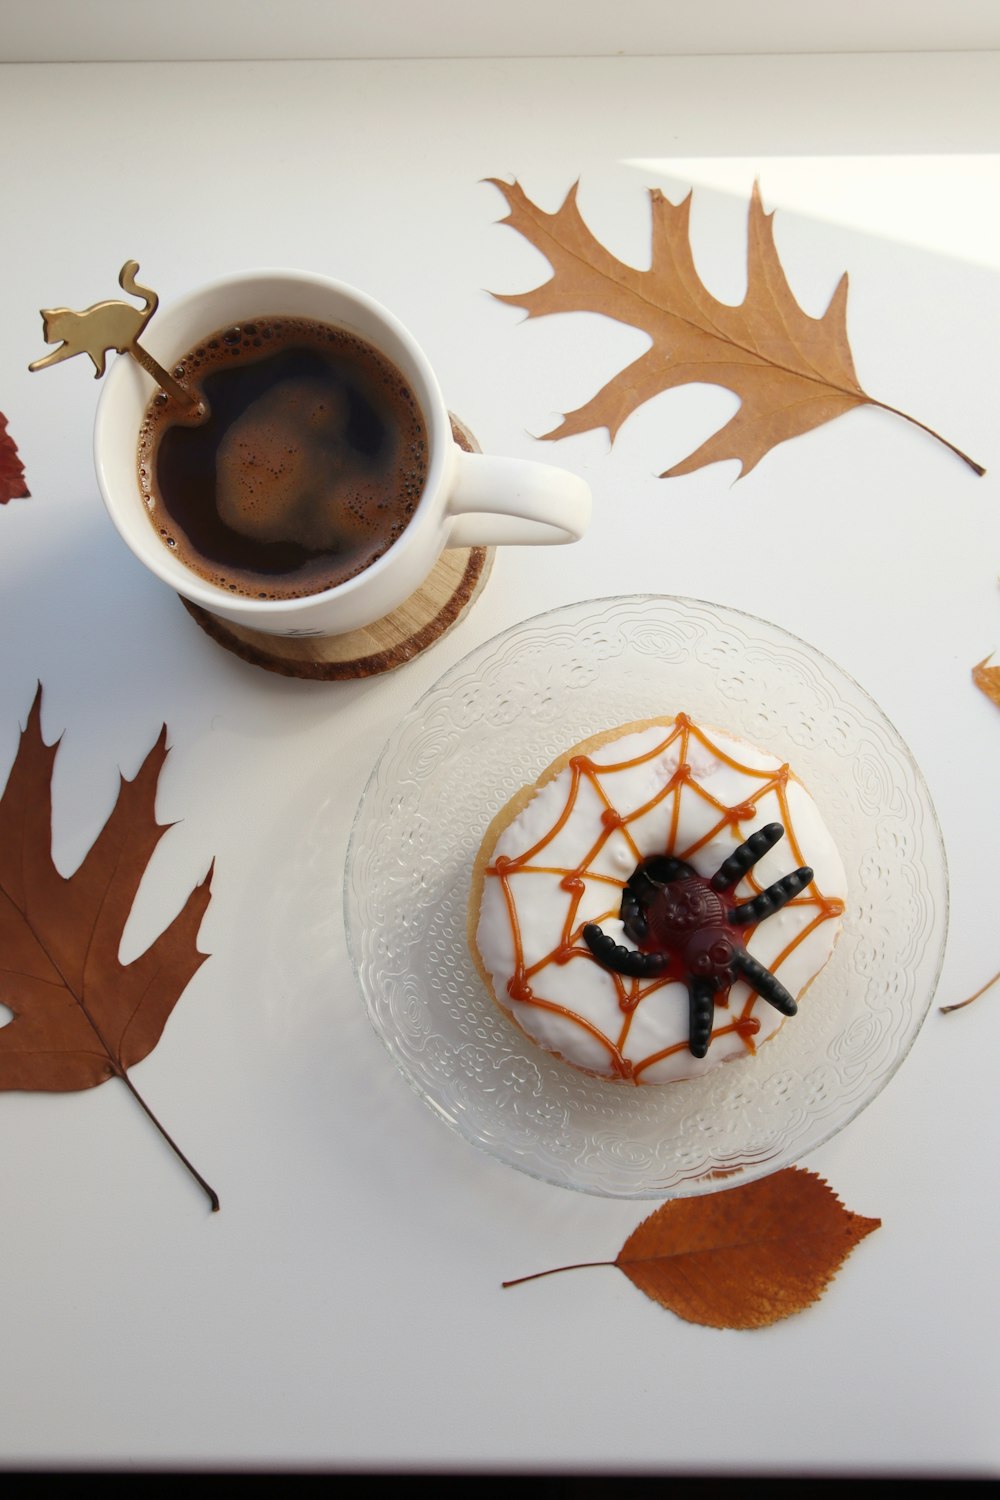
493, 723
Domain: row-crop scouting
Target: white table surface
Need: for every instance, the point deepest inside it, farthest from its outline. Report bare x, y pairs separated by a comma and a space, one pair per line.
343, 1310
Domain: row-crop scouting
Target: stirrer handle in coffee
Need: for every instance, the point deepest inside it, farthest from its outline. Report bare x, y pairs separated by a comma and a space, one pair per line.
164, 380
106, 326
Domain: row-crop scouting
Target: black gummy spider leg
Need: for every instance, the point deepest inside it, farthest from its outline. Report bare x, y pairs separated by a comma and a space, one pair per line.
767, 902
763, 982
622, 960
643, 885
633, 915
661, 869
701, 1012
732, 870
773, 899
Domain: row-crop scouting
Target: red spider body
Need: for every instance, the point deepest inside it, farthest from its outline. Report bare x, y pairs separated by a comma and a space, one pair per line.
689, 920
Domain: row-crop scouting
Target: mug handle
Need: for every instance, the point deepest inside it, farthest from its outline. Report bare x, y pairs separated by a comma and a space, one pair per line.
499, 501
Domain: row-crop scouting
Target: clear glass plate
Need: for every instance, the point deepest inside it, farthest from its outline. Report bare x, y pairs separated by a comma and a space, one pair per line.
494, 722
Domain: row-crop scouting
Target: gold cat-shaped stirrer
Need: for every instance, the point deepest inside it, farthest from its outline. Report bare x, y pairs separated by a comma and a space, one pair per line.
105, 326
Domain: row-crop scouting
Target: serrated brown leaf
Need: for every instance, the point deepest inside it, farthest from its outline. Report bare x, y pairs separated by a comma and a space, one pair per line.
80, 1016
746, 1257
741, 1258
791, 372
987, 679
12, 485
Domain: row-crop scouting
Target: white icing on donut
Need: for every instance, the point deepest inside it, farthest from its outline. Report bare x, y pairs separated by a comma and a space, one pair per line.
630, 798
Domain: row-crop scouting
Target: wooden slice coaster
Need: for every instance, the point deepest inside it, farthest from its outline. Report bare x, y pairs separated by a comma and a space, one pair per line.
445, 595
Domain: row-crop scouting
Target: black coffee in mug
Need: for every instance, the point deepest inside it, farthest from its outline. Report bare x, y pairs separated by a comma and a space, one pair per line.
306, 469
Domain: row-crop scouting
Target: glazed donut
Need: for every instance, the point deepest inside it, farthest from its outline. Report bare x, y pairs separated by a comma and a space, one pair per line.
657, 902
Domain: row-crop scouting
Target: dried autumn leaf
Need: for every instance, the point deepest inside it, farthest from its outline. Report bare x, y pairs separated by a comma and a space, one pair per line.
743, 1258
961, 1004
80, 1016
791, 372
12, 485
987, 679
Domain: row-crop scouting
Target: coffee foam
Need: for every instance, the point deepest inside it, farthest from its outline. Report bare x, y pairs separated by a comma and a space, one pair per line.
281, 471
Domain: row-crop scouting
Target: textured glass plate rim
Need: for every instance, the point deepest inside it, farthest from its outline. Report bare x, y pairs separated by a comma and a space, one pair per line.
747, 1171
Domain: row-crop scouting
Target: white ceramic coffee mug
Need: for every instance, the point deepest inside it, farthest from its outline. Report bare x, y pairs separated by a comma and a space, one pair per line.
468, 499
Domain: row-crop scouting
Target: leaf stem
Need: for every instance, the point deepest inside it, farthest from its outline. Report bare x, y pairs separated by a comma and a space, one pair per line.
961, 1004
582, 1265
884, 406
210, 1192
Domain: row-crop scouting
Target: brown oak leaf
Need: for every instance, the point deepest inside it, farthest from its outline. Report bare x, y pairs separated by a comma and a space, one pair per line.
745, 1257
791, 372
80, 1016
987, 679
12, 485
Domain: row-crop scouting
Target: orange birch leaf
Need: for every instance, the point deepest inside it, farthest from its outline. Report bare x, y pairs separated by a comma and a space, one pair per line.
791, 372
742, 1258
987, 680
80, 1016
12, 485
747, 1257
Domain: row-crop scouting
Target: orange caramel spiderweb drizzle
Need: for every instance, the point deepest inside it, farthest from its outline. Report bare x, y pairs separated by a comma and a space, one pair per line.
570, 947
